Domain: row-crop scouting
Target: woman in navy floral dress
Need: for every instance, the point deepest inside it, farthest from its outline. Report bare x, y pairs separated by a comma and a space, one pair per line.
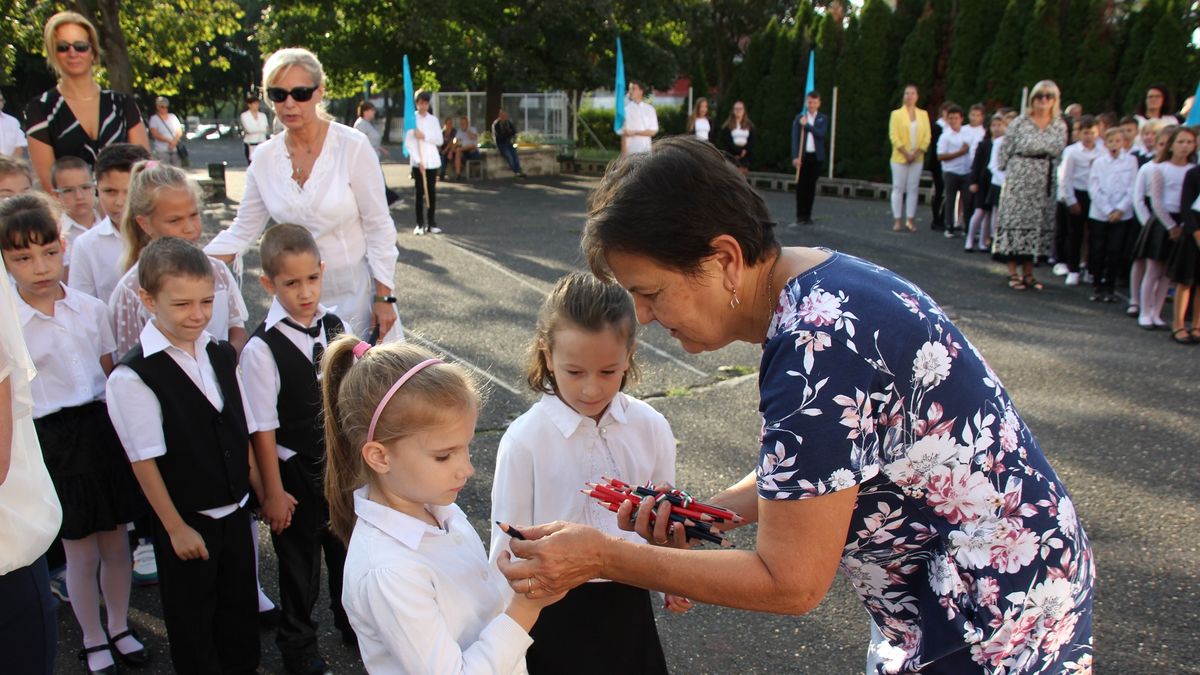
889, 448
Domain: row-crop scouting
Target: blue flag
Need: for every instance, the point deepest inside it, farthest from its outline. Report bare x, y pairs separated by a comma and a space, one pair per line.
619, 91
811, 84
410, 105
1194, 114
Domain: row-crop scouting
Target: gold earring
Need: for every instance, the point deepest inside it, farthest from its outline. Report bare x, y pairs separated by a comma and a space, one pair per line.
734, 301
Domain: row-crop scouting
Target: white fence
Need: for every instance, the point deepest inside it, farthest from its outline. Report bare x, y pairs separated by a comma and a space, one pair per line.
542, 113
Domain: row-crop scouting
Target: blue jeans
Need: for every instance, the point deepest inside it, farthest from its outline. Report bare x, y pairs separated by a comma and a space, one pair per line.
509, 153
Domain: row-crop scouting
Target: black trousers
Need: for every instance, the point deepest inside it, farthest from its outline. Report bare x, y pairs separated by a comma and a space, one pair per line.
28, 620
210, 606
957, 191
938, 203
1077, 227
299, 550
806, 189
431, 179
1106, 252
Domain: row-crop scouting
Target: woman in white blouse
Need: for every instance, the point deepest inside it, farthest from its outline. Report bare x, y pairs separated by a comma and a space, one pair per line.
698, 123
325, 177
165, 132
255, 127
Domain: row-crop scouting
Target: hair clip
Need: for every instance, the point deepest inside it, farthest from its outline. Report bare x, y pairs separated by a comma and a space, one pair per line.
360, 349
151, 164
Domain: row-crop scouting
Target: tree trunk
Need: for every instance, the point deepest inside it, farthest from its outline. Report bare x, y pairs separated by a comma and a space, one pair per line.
105, 15
387, 116
494, 88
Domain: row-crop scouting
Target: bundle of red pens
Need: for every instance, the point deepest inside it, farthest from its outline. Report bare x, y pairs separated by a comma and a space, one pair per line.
698, 519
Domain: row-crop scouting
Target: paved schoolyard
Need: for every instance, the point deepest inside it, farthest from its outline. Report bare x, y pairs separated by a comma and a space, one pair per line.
1113, 405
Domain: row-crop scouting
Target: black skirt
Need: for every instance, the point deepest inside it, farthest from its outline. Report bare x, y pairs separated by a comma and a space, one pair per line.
598, 628
991, 200
1154, 242
1184, 266
90, 470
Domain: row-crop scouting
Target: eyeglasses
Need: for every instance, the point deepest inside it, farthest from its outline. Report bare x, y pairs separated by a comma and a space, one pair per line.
1044, 96
298, 94
85, 189
81, 47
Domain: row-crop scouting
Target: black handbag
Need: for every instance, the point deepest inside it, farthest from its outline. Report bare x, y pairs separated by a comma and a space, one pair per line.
181, 150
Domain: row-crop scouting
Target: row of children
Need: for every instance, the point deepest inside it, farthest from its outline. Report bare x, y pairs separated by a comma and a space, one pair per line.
203, 435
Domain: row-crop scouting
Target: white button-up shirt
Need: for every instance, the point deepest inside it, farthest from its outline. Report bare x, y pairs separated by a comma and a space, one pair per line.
1077, 163
952, 141
96, 260
261, 374
428, 151
66, 348
11, 136
136, 413
1110, 185
548, 454
71, 231
423, 599
342, 204
254, 127
639, 117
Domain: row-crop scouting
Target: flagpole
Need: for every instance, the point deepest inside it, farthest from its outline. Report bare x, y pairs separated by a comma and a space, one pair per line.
833, 132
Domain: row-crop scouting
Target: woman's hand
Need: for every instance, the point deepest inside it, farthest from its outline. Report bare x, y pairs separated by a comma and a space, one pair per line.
383, 314
555, 558
664, 531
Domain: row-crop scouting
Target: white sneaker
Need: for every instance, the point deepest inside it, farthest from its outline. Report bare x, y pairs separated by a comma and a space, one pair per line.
1061, 269
1072, 278
434, 229
145, 568
418, 230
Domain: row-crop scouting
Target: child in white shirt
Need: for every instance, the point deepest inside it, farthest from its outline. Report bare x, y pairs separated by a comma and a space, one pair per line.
583, 429
96, 258
71, 179
1110, 188
953, 151
1073, 192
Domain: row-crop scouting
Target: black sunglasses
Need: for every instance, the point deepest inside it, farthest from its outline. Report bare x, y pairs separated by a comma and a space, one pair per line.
1044, 95
82, 47
298, 94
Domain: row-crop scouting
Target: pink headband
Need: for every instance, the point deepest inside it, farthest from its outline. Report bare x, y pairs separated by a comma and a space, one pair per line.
151, 164
395, 387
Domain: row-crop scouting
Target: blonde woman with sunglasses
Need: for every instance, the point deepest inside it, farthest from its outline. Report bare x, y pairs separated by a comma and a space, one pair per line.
77, 117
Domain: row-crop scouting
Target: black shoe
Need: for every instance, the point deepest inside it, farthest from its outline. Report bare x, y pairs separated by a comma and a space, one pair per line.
110, 670
1110, 297
1096, 296
269, 618
311, 665
349, 638
137, 658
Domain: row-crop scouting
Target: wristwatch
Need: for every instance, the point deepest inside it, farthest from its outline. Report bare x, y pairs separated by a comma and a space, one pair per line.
390, 299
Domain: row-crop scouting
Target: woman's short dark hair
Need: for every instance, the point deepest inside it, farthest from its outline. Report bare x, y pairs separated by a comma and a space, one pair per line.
670, 204
364, 106
1168, 104
251, 99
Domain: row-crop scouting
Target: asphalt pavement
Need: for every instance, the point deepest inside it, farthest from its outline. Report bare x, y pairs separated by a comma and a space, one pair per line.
1114, 407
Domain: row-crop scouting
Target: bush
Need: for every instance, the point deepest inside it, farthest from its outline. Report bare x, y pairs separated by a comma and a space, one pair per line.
672, 120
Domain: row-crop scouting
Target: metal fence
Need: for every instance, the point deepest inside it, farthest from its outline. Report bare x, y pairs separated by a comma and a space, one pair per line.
543, 113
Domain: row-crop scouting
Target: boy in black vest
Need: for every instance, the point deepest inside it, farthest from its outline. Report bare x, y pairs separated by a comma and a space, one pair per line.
177, 405
280, 365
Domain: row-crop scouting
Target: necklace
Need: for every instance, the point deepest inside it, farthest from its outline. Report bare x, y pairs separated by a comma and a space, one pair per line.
771, 287
76, 97
298, 170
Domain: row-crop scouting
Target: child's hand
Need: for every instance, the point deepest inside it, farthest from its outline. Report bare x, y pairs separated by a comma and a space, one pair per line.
188, 544
525, 610
1076, 209
1115, 216
677, 604
277, 511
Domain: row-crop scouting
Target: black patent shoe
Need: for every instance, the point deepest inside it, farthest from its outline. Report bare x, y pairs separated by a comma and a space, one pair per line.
83, 656
137, 658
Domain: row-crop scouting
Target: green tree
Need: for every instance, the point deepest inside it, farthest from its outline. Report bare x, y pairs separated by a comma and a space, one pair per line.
1162, 61
866, 83
747, 76
782, 90
974, 28
998, 69
1074, 23
1137, 34
829, 39
1042, 49
1092, 84
919, 53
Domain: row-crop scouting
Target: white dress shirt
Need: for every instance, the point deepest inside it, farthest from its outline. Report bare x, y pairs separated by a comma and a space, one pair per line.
1077, 163
427, 150
639, 117
71, 231
11, 136
702, 128
66, 348
342, 204
952, 141
994, 162
261, 374
548, 454
425, 600
810, 145
1141, 191
975, 136
96, 260
254, 128
1110, 185
129, 315
136, 413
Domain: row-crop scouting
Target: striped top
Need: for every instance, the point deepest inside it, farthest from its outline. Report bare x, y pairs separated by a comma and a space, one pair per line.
51, 121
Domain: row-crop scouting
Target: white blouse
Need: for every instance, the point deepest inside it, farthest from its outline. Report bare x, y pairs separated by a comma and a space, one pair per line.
740, 136
254, 127
423, 599
1141, 190
548, 454
342, 204
1166, 192
96, 260
702, 127
428, 148
30, 514
129, 315
66, 348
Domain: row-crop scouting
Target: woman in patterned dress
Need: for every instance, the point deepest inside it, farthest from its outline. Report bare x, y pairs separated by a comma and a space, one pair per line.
1033, 144
889, 449
76, 117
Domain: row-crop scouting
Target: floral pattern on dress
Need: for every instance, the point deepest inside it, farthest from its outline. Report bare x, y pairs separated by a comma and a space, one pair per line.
964, 543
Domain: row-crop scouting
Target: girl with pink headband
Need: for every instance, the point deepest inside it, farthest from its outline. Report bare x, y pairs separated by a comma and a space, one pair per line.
418, 588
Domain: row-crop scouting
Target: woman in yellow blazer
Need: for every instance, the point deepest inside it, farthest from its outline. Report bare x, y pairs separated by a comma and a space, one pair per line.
910, 135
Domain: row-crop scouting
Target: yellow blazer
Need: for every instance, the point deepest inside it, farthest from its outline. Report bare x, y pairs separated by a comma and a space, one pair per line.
898, 128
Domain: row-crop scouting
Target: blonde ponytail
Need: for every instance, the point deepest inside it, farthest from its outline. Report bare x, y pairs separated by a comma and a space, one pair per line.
146, 180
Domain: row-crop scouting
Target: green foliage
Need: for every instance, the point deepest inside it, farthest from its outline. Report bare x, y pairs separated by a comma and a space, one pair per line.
1042, 45
672, 120
1139, 30
747, 77
782, 95
865, 87
1092, 84
830, 36
974, 27
1160, 62
919, 53
998, 70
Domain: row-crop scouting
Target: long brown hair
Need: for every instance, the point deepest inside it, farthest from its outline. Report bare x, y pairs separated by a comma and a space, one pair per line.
731, 121
585, 302
352, 387
691, 123
1168, 149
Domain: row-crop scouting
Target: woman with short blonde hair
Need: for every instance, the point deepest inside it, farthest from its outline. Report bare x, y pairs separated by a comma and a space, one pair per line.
77, 117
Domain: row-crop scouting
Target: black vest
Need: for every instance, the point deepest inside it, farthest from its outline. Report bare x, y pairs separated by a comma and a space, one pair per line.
207, 462
299, 403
